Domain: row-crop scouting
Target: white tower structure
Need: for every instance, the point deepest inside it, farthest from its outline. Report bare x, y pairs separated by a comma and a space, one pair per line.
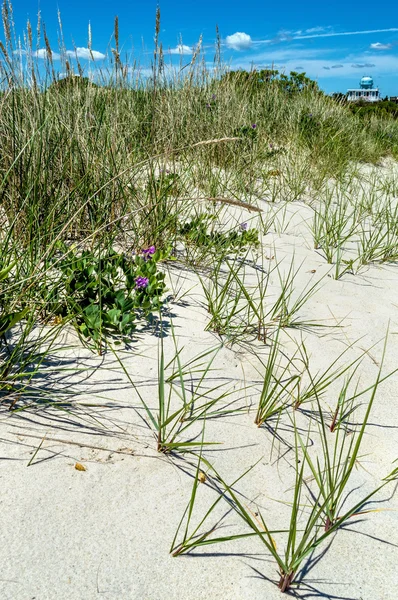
366, 91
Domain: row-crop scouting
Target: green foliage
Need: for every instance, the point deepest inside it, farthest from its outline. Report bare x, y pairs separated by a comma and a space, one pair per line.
105, 294
254, 80
318, 129
382, 109
8, 318
199, 232
167, 184
297, 82
309, 127
72, 82
247, 132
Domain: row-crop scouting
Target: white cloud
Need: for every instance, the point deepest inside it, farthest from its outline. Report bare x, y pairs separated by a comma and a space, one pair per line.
238, 41
42, 53
181, 49
78, 52
86, 54
144, 72
379, 46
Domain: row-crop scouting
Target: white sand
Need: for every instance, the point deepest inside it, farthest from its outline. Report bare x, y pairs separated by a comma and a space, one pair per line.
106, 532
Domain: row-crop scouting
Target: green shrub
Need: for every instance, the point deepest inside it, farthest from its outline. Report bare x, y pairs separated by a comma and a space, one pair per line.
196, 232
104, 295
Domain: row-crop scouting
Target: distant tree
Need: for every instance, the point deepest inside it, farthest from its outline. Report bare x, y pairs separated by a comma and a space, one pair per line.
339, 97
297, 82
267, 75
72, 82
255, 79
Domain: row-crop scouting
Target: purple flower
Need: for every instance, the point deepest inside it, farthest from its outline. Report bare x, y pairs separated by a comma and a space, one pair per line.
271, 145
213, 97
254, 125
149, 252
243, 226
141, 283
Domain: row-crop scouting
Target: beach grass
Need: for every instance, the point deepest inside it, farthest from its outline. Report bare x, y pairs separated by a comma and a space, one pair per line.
108, 185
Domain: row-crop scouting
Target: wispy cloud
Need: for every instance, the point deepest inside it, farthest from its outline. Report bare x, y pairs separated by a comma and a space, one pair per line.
363, 65
287, 35
338, 33
318, 29
314, 62
238, 41
294, 52
309, 34
181, 49
380, 46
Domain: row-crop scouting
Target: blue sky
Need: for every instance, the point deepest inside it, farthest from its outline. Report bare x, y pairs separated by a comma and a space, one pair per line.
333, 42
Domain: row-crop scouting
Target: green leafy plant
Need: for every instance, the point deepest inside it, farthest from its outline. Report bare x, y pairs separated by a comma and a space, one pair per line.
104, 294
247, 132
167, 184
200, 232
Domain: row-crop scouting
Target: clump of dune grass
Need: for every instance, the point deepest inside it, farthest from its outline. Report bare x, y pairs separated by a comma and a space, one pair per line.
316, 512
185, 398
